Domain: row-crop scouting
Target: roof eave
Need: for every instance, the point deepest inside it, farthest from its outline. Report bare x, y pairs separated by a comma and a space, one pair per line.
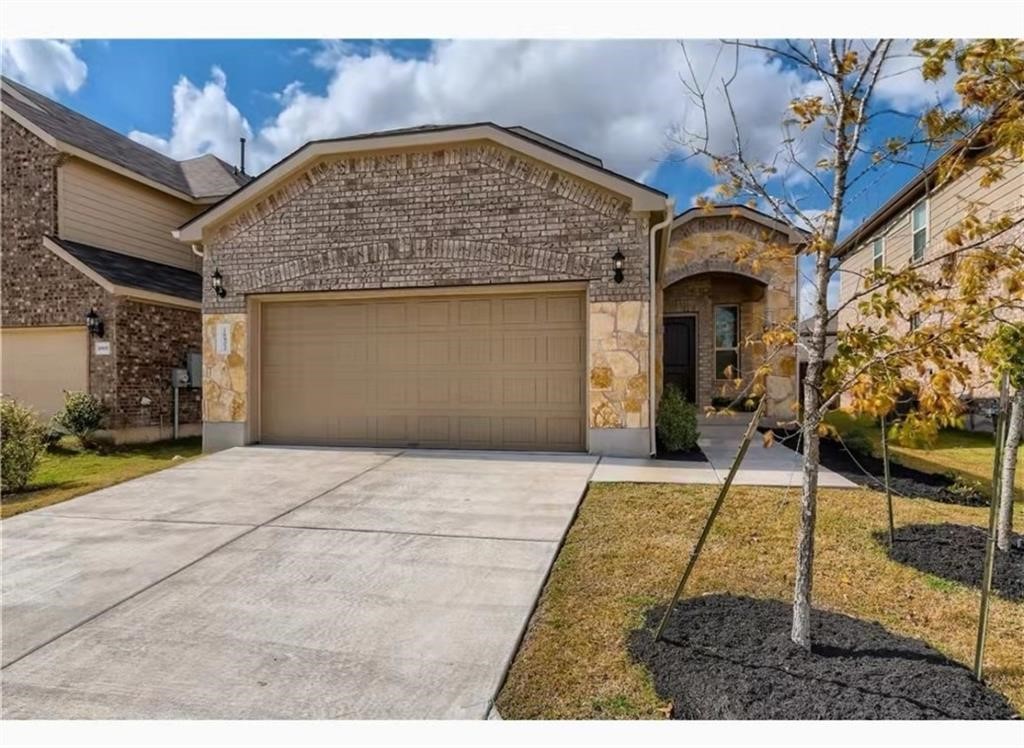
793, 234
643, 198
77, 152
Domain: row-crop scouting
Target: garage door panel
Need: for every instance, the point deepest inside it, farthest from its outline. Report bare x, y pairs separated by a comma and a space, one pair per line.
485, 371
38, 364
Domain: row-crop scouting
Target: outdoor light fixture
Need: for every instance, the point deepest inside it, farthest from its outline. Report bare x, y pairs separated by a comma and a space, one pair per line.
618, 262
94, 323
218, 284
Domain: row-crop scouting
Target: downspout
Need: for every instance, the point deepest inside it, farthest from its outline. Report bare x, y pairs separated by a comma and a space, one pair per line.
670, 205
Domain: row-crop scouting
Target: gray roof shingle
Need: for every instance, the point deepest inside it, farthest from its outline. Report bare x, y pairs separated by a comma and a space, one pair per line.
202, 177
135, 272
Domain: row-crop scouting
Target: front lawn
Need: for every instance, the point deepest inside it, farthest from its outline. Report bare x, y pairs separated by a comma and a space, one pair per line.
967, 453
628, 545
68, 471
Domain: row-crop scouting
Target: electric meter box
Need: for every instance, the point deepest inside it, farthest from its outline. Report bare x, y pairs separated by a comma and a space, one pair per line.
195, 369
179, 378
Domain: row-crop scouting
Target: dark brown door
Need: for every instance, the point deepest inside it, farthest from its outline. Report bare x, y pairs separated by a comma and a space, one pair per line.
681, 355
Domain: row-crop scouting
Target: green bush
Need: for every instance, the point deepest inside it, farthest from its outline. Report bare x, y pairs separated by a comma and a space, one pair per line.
21, 444
747, 405
677, 420
82, 416
859, 443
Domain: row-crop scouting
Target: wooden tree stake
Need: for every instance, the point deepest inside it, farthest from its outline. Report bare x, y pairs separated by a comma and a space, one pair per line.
999, 434
744, 445
888, 491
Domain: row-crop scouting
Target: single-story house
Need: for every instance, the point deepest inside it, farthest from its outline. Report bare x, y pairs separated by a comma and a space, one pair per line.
97, 296
472, 286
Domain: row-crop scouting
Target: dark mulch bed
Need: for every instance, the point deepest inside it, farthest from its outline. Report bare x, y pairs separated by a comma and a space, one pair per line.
904, 481
957, 553
692, 455
726, 657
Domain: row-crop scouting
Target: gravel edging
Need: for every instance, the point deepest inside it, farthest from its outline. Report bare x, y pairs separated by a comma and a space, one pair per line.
729, 657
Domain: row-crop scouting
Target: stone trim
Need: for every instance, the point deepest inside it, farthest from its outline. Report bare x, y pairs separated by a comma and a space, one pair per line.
711, 224
713, 265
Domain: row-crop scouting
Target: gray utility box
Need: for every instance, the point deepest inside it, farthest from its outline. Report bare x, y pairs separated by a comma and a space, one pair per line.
179, 378
195, 369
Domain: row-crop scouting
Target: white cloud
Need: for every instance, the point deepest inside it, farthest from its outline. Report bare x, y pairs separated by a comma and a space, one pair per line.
47, 65
205, 121
619, 100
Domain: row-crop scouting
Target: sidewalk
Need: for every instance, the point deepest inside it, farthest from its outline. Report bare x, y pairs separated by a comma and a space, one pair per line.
719, 439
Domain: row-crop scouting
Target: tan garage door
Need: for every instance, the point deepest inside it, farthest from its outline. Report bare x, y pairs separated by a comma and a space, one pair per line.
38, 364
462, 371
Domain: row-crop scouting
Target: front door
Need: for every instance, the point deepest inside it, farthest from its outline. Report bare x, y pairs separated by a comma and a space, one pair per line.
681, 355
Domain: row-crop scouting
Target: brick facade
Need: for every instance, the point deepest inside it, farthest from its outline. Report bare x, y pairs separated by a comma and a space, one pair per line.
40, 289
459, 215
152, 339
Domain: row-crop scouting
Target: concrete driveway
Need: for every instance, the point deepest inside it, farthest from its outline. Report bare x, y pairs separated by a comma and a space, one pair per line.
278, 583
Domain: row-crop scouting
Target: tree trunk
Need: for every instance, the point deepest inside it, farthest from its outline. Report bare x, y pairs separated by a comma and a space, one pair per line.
801, 630
1009, 470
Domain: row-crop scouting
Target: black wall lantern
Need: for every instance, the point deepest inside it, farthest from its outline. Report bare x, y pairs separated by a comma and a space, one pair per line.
94, 324
618, 262
218, 284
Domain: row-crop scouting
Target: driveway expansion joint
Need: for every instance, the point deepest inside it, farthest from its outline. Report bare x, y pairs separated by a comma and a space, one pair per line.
251, 529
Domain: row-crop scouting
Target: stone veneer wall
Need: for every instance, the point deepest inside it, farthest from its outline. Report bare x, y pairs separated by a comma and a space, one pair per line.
700, 271
225, 375
463, 215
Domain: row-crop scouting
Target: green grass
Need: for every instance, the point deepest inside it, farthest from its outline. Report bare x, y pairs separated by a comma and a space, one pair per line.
626, 549
967, 454
67, 471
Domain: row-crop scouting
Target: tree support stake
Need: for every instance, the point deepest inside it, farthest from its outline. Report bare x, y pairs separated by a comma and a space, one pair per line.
744, 445
999, 435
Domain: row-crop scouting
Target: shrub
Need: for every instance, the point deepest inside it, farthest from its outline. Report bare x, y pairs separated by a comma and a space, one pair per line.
21, 444
677, 420
81, 417
747, 404
859, 443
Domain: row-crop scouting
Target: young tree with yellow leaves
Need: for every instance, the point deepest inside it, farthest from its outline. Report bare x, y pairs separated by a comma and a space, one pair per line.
959, 293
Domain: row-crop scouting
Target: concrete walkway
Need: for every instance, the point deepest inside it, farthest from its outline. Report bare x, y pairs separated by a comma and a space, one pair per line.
276, 583
720, 439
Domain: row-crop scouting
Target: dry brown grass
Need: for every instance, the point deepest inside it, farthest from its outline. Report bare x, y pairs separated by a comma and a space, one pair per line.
630, 541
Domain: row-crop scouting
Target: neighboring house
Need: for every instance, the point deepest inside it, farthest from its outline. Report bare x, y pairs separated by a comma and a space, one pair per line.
470, 286
910, 228
87, 216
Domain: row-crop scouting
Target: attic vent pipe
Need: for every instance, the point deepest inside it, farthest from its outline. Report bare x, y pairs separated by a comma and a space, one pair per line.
242, 144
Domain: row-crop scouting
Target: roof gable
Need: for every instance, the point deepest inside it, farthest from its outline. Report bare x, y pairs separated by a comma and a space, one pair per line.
641, 197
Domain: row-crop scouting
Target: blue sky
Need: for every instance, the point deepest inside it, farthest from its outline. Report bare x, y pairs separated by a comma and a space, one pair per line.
621, 100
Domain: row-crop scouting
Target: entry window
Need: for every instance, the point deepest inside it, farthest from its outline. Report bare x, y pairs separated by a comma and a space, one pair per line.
919, 227
878, 253
727, 341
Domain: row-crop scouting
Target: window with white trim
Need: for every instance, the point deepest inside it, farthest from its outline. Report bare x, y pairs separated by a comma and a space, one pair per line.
727, 341
878, 253
919, 229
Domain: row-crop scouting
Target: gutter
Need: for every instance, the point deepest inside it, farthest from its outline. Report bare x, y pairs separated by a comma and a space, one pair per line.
670, 205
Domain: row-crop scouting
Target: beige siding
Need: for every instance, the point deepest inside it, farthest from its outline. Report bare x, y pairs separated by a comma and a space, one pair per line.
95, 206
39, 363
946, 207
